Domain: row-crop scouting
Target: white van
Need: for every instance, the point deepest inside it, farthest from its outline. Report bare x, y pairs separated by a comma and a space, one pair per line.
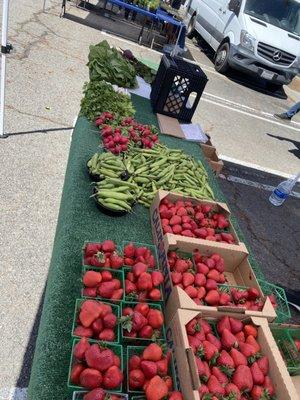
260, 37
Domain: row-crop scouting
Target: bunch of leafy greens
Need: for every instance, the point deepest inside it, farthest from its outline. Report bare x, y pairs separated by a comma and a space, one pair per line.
107, 64
100, 96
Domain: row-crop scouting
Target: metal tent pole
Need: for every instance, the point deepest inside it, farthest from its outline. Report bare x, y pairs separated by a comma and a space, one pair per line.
5, 49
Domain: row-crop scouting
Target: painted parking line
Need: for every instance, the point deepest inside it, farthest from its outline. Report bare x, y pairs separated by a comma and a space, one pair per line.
257, 185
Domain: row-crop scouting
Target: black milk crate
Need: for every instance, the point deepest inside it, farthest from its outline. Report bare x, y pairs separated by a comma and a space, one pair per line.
175, 80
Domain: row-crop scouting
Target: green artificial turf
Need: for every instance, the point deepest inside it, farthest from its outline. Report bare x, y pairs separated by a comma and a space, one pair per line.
79, 220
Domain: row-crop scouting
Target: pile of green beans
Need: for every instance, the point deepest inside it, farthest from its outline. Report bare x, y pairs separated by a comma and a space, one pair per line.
148, 171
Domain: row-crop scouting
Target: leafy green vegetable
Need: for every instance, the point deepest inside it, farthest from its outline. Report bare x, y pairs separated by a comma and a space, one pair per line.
107, 64
99, 96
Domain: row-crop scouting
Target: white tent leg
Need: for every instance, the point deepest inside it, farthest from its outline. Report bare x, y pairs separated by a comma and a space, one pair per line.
4, 50
44, 5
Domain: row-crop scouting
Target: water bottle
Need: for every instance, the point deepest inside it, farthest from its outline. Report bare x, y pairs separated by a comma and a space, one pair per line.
280, 194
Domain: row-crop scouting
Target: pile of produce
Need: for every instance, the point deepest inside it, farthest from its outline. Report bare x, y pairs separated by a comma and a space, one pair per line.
119, 135
230, 363
100, 96
107, 64
96, 365
103, 254
142, 321
203, 280
100, 394
107, 284
148, 171
142, 70
134, 254
142, 284
194, 220
96, 320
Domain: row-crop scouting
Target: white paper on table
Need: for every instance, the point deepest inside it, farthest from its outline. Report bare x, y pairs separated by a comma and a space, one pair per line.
194, 132
143, 89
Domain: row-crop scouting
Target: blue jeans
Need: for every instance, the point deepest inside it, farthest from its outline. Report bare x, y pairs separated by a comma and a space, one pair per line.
293, 110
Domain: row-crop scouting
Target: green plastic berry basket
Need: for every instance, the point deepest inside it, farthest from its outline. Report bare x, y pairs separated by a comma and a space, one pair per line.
138, 350
141, 341
283, 311
78, 395
118, 251
115, 310
284, 336
134, 298
151, 247
116, 348
116, 273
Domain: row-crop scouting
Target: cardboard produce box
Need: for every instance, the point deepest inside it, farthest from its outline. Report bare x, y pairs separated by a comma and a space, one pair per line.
157, 231
238, 272
185, 361
211, 156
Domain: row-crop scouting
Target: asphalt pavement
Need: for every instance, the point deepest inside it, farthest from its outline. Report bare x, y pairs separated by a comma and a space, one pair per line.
45, 75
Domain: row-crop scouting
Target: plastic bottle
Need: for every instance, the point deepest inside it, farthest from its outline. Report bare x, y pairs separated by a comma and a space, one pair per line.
280, 194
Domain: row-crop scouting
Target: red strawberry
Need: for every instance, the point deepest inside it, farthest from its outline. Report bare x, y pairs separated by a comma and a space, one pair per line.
138, 321
257, 375
154, 295
222, 324
238, 357
215, 386
268, 384
240, 337
176, 277
117, 294
259, 393
155, 318
106, 276
89, 292
250, 330
116, 261
89, 311
211, 284
96, 394
136, 379
107, 335
225, 359
191, 291
203, 390
112, 378
192, 327
214, 340
157, 278
157, 389
213, 274
75, 373
222, 378
203, 369
242, 378
201, 293
142, 308
80, 348
181, 266
130, 287
212, 298
108, 246
139, 268
297, 343
91, 278
162, 367
228, 340
153, 352
82, 331
224, 299
90, 378
175, 396
202, 268
247, 349
129, 250
251, 340
106, 289
110, 320
97, 359
134, 362
144, 281
232, 388
91, 249
253, 293
200, 279
149, 369
205, 326
208, 350
263, 364
187, 279
236, 325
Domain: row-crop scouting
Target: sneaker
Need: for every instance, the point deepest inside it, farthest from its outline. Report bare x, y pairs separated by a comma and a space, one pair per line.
283, 116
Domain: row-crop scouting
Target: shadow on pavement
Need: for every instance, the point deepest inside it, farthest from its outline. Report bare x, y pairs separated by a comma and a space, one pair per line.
296, 151
24, 376
254, 83
39, 131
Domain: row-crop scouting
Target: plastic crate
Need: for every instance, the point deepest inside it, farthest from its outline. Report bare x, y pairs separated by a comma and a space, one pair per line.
78, 395
116, 273
132, 297
115, 310
175, 80
132, 350
137, 340
284, 339
283, 311
116, 348
151, 247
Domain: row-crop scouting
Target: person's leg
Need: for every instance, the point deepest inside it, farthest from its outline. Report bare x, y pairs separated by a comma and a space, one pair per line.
293, 110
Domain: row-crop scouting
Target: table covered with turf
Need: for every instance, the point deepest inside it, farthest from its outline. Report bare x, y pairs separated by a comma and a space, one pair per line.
80, 220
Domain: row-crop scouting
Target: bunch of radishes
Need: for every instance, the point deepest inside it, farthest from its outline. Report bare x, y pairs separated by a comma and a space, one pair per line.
102, 284
199, 221
105, 118
114, 139
102, 255
230, 364
148, 372
96, 320
100, 394
95, 366
139, 320
134, 254
201, 279
142, 284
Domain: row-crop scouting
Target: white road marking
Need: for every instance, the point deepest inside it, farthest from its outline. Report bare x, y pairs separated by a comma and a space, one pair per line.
14, 393
249, 114
255, 166
247, 182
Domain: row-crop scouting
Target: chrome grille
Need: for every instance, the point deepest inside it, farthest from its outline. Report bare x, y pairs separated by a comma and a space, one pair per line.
276, 56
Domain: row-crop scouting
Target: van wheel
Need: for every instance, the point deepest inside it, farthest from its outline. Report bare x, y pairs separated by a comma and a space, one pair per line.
221, 59
191, 27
